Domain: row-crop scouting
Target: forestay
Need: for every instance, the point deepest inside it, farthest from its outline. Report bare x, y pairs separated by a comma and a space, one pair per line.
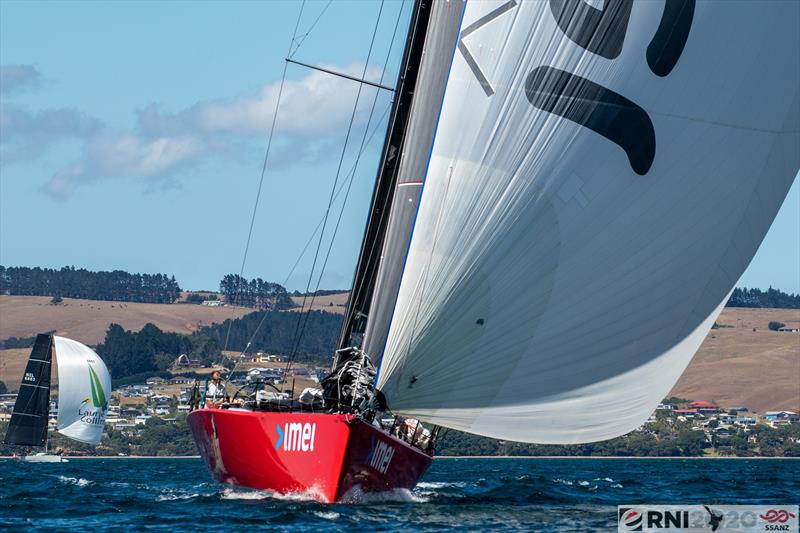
84, 387
602, 173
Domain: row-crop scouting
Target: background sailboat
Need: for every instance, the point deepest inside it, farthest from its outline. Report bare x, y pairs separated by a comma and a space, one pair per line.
84, 387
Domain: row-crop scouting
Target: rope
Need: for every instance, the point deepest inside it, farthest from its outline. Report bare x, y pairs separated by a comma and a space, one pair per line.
296, 345
305, 35
351, 174
263, 170
304, 316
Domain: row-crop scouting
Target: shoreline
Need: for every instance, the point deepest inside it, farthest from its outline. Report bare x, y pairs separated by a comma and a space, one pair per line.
600, 457
582, 457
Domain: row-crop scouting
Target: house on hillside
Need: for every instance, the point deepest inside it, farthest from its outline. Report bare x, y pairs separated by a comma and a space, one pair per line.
142, 419
704, 408
212, 303
160, 398
687, 413
781, 418
180, 380
745, 421
789, 329
155, 380
183, 361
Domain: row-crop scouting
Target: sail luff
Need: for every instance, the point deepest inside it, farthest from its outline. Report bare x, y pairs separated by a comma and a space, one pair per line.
28, 425
382, 196
440, 49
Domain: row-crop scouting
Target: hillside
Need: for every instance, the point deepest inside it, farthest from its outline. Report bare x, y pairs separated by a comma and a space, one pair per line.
88, 320
331, 303
746, 364
739, 366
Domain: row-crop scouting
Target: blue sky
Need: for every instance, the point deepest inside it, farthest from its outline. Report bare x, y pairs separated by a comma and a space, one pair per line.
133, 135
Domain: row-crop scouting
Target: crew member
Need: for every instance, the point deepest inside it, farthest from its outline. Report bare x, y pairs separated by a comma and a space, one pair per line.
215, 393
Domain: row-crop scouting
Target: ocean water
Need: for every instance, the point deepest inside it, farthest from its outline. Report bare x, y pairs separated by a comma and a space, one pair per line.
462, 494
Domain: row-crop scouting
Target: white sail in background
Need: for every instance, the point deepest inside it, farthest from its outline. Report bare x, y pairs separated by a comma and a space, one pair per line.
602, 173
84, 388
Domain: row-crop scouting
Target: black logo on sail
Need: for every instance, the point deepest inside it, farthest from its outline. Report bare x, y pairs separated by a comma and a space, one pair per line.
606, 112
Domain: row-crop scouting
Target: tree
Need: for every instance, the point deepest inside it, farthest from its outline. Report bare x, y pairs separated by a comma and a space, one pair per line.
3, 388
81, 283
775, 326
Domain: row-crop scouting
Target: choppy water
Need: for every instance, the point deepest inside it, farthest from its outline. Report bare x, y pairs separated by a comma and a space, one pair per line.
468, 494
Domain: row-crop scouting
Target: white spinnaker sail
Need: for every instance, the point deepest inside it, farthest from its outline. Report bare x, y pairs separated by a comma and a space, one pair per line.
84, 388
600, 179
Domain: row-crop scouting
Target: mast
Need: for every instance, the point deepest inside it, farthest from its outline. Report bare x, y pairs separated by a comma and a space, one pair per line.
383, 193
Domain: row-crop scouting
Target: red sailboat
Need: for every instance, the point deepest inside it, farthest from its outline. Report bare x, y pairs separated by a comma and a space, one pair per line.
323, 455
596, 180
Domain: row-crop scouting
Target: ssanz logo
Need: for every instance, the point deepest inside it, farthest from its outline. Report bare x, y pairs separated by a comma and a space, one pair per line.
772, 516
380, 456
296, 437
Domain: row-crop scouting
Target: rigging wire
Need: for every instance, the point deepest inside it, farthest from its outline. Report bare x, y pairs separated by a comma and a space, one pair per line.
303, 37
296, 345
372, 248
351, 174
335, 181
264, 169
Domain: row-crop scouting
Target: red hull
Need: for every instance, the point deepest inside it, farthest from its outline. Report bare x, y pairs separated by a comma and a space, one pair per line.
322, 454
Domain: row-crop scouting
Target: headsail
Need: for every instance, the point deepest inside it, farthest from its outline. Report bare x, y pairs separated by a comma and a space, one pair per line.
84, 388
600, 179
28, 426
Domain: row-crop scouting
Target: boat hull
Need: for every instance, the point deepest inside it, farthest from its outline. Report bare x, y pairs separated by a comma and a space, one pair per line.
44, 458
324, 455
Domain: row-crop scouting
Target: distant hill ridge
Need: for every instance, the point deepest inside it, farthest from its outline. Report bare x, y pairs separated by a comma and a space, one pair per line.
122, 286
771, 298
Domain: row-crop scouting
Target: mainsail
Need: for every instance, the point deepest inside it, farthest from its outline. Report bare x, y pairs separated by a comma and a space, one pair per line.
600, 177
28, 425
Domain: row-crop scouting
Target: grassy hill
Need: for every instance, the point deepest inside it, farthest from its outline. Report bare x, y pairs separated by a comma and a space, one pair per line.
87, 320
746, 364
331, 303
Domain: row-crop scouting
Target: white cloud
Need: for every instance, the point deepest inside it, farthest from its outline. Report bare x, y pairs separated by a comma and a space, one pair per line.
17, 77
319, 104
314, 112
115, 156
25, 135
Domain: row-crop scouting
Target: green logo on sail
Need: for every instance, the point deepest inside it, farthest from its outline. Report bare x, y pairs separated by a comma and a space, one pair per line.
98, 394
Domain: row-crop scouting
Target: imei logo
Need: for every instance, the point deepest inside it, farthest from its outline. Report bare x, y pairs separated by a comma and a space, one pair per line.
630, 519
296, 437
380, 456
